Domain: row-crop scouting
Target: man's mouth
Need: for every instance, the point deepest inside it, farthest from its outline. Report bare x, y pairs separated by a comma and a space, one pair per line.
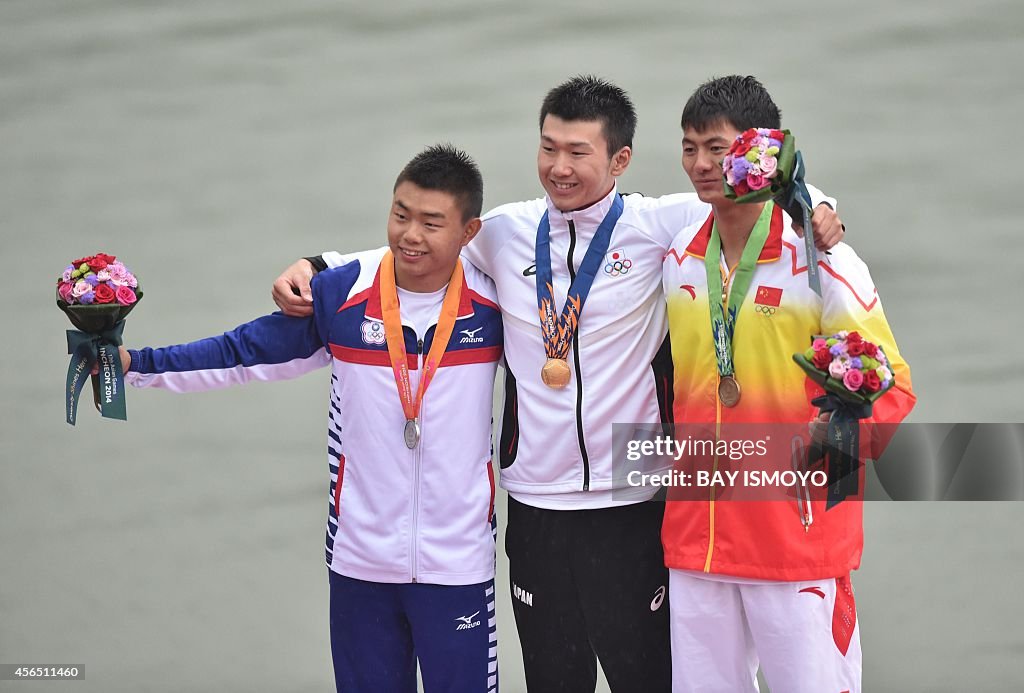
563, 186
411, 253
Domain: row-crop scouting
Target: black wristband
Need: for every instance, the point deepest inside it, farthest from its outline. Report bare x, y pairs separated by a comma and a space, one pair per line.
317, 261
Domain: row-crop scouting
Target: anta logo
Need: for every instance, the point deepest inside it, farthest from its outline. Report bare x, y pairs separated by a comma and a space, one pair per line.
471, 337
659, 597
616, 263
767, 300
813, 590
467, 622
373, 332
522, 595
690, 289
530, 271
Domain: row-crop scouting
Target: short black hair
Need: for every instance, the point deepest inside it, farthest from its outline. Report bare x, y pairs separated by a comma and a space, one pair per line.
740, 101
586, 97
448, 169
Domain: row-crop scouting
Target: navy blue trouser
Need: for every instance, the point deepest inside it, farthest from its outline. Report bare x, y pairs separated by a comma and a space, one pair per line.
379, 630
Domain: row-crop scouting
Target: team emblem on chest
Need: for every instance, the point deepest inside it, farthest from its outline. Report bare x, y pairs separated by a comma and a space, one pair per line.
767, 300
373, 332
616, 263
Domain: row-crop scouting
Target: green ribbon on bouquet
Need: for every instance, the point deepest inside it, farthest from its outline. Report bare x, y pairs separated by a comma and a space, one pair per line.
88, 349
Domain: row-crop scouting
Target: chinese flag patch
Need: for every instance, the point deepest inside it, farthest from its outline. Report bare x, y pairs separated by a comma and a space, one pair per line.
768, 296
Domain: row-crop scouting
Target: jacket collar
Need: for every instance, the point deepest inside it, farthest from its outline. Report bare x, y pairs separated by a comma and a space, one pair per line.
771, 252
374, 312
586, 219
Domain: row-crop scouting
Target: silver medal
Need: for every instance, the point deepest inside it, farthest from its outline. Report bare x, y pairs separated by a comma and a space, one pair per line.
412, 433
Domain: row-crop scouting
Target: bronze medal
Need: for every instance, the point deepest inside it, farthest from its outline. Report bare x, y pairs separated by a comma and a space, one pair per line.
555, 373
728, 391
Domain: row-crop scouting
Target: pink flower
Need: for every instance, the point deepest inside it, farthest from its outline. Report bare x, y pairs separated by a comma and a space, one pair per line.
103, 275
769, 166
125, 296
81, 288
853, 379
756, 182
64, 291
884, 373
819, 344
838, 368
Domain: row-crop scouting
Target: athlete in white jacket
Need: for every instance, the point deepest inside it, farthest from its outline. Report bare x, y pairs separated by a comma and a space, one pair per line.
413, 337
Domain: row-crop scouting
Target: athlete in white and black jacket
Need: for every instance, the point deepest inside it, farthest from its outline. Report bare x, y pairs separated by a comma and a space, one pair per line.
586, 564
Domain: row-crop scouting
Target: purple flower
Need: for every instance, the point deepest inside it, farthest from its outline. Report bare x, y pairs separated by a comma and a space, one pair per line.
66, 275
86, 299
855, 362
93, 280
772, 142
838, 348
740, 167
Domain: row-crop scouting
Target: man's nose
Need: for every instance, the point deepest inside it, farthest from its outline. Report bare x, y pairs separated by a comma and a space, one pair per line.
414, 232
563, 165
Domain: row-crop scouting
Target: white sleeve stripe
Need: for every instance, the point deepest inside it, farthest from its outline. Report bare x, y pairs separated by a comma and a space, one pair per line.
216, 378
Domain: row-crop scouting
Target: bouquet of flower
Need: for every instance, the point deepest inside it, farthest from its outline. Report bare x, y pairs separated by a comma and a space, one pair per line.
854, 373
848, 366
763, 164
759, 165
96, 293
97, 279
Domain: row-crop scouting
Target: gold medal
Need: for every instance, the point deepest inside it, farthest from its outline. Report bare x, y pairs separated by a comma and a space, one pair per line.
728, 391
555, 373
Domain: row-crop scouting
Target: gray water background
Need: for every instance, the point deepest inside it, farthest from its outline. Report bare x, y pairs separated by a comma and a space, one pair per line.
211, 143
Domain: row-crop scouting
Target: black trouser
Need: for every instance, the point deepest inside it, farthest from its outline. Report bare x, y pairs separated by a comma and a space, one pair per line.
590, 585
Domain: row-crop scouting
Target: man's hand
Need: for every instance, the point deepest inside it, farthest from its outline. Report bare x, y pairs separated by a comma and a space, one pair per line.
291, 290
818, 428
126, 362
827, 226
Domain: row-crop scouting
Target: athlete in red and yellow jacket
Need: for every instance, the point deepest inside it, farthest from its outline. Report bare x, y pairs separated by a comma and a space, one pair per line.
766, 539
751, 582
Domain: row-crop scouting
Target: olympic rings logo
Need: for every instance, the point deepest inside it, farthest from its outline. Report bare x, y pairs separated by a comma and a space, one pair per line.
618, 267
765, 310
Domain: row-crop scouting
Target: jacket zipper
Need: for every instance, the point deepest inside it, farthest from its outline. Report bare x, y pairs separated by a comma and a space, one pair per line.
714, 468
416, 477
576, 364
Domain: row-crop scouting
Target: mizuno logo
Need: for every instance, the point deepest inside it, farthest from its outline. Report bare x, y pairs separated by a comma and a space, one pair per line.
471, 337
530, 271
467, 622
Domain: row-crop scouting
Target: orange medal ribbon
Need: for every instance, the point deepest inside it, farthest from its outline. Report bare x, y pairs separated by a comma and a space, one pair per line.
396, 342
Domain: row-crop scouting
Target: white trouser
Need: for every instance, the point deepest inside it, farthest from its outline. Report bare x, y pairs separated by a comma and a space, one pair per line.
804, 635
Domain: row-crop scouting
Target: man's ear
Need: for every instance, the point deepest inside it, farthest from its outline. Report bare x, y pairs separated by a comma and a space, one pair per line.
471, 229
621, 161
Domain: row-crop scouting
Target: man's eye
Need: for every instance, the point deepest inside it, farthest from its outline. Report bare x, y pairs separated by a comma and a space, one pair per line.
399, 216
548, 149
